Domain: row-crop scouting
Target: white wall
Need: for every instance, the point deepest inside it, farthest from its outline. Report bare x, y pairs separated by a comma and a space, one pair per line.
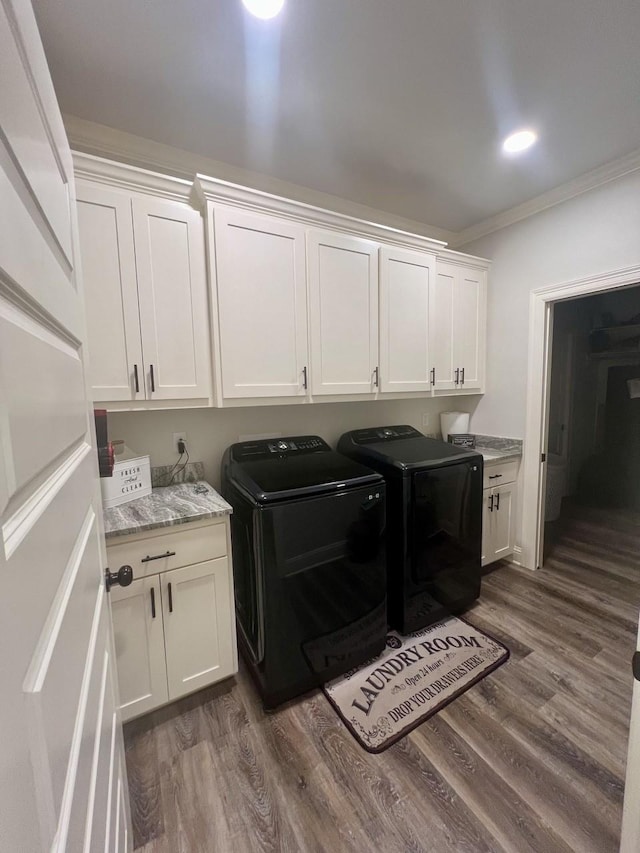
210, 431
598, 231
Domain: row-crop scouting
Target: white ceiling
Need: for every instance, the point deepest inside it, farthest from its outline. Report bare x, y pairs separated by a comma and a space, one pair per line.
397, 104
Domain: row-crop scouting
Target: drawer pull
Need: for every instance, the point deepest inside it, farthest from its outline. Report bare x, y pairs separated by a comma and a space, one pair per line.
158, 557
494, 476
170, 598
153, 603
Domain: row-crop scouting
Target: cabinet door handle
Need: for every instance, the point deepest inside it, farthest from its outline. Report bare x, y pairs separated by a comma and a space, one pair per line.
153, 379
457, 375
135, 378
153, 603
148, 559
376, 377
490, 503
433, 376
462, 376
498, 501
304, 378
494, 476
170, 598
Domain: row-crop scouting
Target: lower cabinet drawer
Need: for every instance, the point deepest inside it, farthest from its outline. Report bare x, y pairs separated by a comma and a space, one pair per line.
153, 553
499, 474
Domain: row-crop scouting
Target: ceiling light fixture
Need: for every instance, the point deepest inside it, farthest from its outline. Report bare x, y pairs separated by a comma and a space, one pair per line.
264, 9
519, 141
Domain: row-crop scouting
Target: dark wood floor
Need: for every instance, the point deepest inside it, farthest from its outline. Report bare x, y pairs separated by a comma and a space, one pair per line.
530, 759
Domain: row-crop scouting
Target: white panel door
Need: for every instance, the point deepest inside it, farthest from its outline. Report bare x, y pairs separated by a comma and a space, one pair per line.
56, 668
441, 323
405, 279
139, 643
630, 833
172, 289
111, 293
468, 328
343, 313
199, 641
503, 526
261, 305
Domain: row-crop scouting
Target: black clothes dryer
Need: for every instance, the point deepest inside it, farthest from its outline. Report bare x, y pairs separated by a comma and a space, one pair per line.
307, 530
434, 519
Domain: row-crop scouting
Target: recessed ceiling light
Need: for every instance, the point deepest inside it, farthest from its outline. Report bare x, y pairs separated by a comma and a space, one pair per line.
264, 9
519, 141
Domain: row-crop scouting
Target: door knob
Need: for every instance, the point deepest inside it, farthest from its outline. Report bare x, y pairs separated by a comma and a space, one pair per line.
123, 577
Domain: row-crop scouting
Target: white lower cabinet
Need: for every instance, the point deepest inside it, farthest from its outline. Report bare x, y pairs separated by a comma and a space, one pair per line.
197, 626
174, 628
139, 638
498, 512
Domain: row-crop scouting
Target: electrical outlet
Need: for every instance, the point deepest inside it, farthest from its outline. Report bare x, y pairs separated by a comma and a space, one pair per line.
426, 420
179, 436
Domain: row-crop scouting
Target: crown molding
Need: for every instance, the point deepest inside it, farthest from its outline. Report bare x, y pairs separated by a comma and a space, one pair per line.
207, 189
582, 184
103, 141
131, 178
453, 257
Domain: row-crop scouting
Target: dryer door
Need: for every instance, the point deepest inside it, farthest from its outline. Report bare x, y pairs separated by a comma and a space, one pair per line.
446, 533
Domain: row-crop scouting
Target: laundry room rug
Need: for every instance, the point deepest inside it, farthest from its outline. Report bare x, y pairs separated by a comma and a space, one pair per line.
413, 678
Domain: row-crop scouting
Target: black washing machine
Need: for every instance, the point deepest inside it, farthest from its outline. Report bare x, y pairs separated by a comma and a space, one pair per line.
309, 565
434, 519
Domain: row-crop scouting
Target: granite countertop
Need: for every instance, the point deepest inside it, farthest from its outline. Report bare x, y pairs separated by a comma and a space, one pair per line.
492, 454
497, 449
166, 507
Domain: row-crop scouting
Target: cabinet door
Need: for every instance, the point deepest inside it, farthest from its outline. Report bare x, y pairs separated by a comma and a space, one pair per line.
262, 305
503, 526
170, 259
469, 327
441, 319
198, 625
488, 547
111, 294
136, 611
343, 311
405, 278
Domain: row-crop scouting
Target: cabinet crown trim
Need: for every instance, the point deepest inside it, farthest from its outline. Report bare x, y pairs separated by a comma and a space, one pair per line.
452, 257
129, 178
213, 190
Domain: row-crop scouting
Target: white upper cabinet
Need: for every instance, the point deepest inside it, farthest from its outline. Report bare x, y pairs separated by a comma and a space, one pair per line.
458, 327
309, 304
441, 320
111, 298
469, 327
172, 291
343, 311
144, 266
406, 279
261, 306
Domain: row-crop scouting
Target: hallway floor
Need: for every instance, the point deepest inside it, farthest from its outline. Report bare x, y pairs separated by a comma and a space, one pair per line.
530, 759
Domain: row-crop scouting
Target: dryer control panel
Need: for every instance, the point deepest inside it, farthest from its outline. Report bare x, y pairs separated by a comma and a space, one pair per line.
384, 433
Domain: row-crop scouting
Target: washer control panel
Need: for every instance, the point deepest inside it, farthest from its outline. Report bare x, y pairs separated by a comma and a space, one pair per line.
280, 447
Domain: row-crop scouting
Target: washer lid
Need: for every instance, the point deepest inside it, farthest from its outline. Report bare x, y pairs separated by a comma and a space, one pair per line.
290, 475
